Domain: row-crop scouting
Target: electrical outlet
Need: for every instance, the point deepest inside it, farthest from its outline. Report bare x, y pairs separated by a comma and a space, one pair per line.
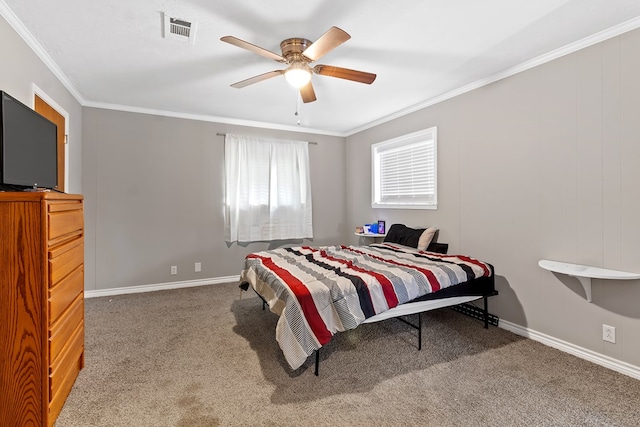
198, 267
609, 333
174, 270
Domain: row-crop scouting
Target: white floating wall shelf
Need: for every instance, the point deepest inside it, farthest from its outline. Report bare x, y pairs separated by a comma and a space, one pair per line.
584, 273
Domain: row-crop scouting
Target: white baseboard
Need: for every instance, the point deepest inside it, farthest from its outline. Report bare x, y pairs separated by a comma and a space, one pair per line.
160, 286
583, 353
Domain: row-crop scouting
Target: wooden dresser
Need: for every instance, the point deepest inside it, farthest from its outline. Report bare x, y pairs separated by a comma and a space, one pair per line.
41, 304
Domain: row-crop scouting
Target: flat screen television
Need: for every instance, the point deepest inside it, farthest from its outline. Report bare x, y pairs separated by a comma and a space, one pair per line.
28, 147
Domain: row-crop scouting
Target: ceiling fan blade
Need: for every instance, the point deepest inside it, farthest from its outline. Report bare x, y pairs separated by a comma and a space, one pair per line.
307, 93
252, 47
333, 38
256, 79
344, 73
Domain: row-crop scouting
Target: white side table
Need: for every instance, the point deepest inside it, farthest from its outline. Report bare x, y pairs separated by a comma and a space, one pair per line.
377, 237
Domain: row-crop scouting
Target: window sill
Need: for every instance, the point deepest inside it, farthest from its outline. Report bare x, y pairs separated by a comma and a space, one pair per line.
401, 206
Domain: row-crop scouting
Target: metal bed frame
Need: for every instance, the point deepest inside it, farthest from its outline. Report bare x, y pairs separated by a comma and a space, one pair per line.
457, 303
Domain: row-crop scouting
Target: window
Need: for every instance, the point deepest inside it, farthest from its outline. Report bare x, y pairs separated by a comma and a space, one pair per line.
267, 189
404, 172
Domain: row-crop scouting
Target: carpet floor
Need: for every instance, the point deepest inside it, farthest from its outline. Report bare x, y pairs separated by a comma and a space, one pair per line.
202, 357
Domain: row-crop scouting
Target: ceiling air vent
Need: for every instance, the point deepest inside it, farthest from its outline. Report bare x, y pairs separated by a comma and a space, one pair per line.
179, 29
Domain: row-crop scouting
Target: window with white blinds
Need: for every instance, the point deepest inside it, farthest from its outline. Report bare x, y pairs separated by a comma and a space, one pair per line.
404, 171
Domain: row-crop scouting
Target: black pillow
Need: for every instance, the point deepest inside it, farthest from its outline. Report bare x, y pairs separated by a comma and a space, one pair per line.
403, 235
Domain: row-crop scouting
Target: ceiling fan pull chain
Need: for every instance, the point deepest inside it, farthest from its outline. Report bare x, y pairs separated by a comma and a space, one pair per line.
298, 107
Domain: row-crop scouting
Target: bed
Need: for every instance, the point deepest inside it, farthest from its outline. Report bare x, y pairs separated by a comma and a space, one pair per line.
320, 291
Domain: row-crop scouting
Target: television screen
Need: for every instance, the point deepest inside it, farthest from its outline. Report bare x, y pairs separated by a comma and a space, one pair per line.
29, 149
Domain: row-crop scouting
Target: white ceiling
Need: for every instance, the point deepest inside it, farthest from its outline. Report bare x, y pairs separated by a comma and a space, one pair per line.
111, 53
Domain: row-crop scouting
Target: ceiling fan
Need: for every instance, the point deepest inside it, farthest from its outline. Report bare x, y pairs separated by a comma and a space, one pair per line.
298, 54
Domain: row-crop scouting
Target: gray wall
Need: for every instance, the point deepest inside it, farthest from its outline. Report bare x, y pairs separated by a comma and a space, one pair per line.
153, 190
21, 69
541, 165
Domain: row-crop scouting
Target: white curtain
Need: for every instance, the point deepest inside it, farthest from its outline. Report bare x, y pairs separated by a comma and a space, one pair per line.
267, 189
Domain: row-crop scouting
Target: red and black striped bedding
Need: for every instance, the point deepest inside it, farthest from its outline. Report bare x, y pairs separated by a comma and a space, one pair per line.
320, 291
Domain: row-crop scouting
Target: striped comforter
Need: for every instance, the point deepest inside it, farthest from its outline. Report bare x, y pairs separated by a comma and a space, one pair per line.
320, 291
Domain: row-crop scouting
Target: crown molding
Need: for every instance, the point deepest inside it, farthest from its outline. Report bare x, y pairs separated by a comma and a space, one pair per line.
37, 48
596, 38
206, 118
599, 37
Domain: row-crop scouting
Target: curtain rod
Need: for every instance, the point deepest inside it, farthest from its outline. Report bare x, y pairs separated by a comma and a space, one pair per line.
224, 134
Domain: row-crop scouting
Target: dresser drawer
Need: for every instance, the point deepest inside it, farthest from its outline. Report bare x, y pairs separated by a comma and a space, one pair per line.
61, 296
64, 259
64, 218
61, 331
63, 372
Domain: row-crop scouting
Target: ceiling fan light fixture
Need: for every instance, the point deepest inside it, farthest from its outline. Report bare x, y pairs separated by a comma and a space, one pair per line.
298, 54
297, 75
